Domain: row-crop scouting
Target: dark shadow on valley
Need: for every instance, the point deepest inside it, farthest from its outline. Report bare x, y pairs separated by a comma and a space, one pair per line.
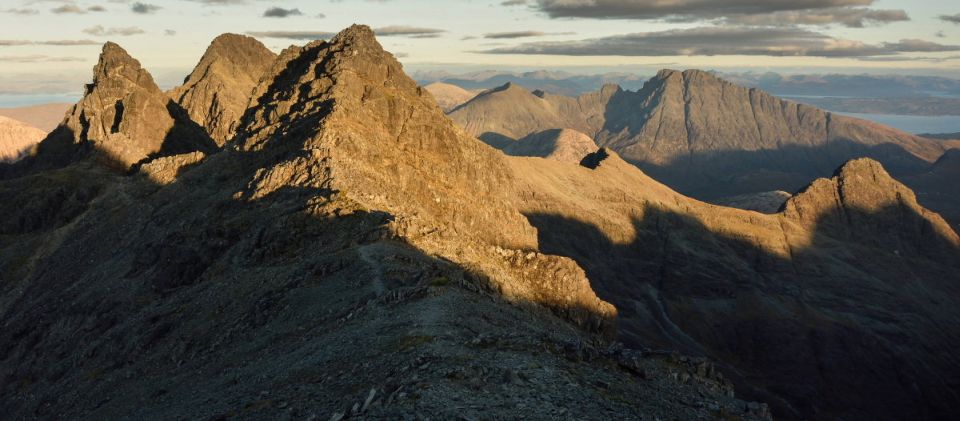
853, 326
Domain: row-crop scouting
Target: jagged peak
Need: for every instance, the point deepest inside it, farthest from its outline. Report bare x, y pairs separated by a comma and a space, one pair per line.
115, 62
862, 167
610, 88
357, 36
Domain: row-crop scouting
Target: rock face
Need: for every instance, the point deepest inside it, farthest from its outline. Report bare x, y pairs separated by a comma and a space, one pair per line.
703, 136
17, 139
449, 96
351, 239
216, 93
564, 145
353, 253
123, 118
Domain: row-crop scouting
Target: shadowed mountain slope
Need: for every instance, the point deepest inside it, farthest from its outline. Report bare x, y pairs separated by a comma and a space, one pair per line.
823, 311
216, 93
351, 253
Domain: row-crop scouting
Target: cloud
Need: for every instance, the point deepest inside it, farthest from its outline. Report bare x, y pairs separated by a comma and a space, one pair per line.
951, 18
220, 2
169, 32
513, 3
919, 45
38, 59
70, 8
68, 42
100, 31
279, 12
849, 17
144, 8
711, 41
9, 42
23, 11
297, 35
522, 34
686, 9
408, 31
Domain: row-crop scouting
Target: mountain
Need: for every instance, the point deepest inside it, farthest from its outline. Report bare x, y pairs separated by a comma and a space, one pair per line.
100, 123
565, 145
350, 253
938, 187
17, 139
701, 135
216, 93
823, 310
449, 96
942, 136
45, 117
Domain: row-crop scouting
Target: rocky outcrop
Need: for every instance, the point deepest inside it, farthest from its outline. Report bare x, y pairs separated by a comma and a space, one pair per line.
17, 139
449, 96
123, 118
864, 202
217, 91
564, 145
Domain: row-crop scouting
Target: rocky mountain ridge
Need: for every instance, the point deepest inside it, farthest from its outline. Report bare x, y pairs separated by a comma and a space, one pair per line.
345, 255
217, 91
351, 252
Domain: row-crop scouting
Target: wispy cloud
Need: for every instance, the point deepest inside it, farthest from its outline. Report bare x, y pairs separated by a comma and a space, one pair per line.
144, 8
711, 41
100, 31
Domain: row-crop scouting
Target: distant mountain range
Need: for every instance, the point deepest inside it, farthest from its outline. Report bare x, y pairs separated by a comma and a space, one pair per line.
819, 85
702, 135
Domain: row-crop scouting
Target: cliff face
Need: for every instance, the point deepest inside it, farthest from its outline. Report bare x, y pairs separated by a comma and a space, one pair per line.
123, 118
216, 93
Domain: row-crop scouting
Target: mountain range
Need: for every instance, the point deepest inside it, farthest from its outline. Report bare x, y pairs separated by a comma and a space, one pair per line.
706, 137
338, 247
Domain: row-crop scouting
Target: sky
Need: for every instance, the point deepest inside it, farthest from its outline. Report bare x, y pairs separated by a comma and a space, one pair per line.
48, 47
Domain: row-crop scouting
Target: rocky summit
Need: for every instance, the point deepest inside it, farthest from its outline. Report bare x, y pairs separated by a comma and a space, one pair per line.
347, 251
216, 93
